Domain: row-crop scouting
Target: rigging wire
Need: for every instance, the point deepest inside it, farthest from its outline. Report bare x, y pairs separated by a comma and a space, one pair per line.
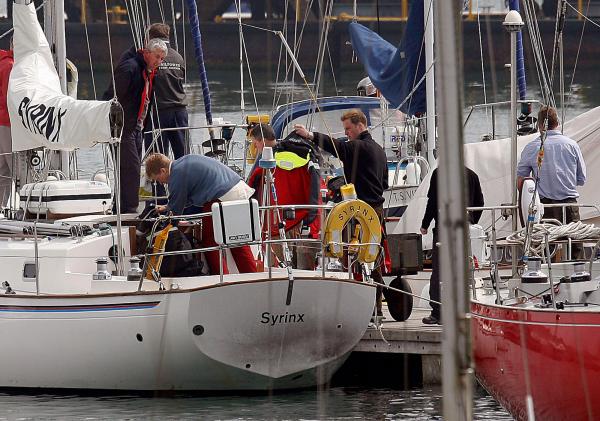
578, 51
322, 48
238, 7
175, 27
87, 40
290, 67
538, 51
487, 111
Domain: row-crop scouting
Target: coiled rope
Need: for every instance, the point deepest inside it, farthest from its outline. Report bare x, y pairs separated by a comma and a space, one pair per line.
575, 231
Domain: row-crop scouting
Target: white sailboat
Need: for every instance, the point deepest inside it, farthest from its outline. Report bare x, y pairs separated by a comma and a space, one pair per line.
68, 322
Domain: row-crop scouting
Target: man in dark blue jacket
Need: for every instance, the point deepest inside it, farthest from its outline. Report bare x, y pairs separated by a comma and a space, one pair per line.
195, 183
133, 86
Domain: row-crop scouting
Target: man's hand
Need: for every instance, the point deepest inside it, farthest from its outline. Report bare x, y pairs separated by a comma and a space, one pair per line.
424, 231
302, 132
160, 208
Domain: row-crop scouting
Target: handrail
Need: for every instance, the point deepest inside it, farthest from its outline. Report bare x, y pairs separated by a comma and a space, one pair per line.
494, 261
493, 105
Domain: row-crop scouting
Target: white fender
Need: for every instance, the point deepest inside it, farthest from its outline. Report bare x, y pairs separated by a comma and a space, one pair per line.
525, 198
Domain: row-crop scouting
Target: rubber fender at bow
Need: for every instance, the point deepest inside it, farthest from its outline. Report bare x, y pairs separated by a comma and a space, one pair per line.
340, 216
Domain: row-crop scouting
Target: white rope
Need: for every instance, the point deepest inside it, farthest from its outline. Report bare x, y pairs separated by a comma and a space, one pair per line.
578, 231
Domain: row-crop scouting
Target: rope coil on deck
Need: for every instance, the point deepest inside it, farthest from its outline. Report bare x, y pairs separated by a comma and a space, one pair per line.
578, 231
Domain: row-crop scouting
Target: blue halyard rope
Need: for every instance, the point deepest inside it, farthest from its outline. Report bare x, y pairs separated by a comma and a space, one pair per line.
197, 39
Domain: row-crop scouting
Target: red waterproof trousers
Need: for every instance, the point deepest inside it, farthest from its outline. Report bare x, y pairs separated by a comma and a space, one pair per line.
244, 259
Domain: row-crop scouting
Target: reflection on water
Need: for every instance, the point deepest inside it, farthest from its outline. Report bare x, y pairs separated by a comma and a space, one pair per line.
328, 404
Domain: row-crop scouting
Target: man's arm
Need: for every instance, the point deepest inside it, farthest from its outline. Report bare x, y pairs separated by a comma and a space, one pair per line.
520, 183
475, 197
122, 81
431, 209
333, 146
178, 192
581, 169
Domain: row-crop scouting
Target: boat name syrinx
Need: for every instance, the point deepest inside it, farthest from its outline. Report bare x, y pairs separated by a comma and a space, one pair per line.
40, 119
273, 319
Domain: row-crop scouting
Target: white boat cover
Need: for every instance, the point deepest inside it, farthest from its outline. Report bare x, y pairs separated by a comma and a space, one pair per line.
491, 161
40, 114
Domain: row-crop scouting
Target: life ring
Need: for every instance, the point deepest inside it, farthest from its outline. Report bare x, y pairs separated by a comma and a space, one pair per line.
337, 220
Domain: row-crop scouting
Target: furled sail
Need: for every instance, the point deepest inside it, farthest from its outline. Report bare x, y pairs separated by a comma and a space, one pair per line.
40, 114
395, 71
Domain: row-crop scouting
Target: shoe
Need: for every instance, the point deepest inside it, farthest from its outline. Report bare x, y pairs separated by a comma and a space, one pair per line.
430, 320
377, 319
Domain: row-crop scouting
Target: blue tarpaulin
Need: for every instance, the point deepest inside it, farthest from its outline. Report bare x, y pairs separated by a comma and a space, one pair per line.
395, 71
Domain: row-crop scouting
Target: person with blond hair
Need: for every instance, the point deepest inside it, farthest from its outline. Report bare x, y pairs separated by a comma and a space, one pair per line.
195, 183
365, 166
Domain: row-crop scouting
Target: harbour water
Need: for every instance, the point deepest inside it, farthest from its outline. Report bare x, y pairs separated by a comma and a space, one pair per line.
332, 403
336, 403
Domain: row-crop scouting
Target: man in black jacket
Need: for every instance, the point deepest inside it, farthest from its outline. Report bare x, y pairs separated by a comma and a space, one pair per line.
170, 99
133, 85
365, 166
474, 199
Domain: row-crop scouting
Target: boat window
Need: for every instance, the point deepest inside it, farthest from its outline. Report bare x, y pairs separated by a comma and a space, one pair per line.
29, 271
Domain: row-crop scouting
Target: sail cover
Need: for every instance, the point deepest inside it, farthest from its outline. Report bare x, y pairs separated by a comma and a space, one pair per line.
491, 161
395, 71
40, 114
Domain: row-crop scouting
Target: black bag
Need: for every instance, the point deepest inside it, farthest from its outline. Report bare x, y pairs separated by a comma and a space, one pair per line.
179, 265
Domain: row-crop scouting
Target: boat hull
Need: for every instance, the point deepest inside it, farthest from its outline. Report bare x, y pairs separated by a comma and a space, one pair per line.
538, 361
212, 338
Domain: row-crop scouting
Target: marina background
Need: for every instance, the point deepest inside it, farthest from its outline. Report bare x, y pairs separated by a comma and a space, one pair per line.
340, 401
370, 398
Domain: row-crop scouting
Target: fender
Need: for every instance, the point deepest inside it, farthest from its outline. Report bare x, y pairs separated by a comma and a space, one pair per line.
160, 242
337, 220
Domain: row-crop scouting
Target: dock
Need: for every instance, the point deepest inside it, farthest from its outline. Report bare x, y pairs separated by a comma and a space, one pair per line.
405, 354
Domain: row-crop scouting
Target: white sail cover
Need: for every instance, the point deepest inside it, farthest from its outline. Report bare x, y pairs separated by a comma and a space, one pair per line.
40, 114
491, 161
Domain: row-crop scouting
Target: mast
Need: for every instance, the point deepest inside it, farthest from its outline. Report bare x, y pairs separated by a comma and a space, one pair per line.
457, 372
513, 24
430, 80
54, 29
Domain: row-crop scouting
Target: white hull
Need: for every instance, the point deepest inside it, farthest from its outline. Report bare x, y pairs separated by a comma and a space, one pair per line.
209, 338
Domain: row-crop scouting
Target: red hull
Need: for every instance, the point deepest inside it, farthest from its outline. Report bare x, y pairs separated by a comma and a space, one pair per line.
552, 356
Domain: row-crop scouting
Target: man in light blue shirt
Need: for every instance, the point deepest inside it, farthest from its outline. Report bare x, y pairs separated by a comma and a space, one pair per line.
562, 169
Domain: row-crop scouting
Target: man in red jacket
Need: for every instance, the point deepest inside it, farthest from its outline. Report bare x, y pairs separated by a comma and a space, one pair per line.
6, 65
297, 182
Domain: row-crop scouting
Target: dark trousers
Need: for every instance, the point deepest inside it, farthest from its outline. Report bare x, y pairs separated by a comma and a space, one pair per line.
376, 274
434, 281
571, 214
176, 139
129, 166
